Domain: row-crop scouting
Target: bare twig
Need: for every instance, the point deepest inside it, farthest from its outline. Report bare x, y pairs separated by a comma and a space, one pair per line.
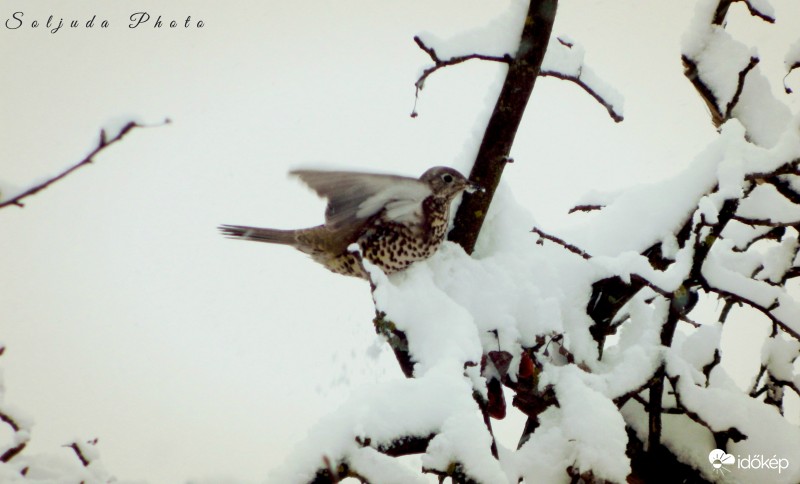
562, 243
103, 143
786, 88
77, 448
13, 451
4, 417
689, 321
585, 208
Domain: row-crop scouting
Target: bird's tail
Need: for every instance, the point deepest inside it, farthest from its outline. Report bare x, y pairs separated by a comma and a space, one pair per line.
272, 236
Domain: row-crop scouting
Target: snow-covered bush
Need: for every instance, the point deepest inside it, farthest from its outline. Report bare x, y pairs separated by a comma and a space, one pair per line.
596, 333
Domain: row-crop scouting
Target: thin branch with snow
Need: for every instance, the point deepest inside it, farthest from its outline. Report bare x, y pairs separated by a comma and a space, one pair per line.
565, 61
103, 143
439, 63
501, 130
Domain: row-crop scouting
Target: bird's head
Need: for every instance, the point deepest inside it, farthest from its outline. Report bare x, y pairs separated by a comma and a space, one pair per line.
447, 182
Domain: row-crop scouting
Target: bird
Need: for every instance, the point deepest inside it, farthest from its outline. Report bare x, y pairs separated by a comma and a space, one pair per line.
394, 220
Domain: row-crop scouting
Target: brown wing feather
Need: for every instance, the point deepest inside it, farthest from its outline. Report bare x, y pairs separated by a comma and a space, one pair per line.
355, 196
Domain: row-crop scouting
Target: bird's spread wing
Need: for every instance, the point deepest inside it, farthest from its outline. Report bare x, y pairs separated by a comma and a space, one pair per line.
353, 196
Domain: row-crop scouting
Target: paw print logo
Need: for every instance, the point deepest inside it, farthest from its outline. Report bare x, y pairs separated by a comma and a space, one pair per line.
719, 459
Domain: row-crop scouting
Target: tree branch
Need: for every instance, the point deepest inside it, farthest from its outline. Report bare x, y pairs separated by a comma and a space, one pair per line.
720, 436
740, 86
103, 144
440, 63
763, 222
585, 208
617, 117
501, 130
79, 452
766, 311
561, 242
13, 451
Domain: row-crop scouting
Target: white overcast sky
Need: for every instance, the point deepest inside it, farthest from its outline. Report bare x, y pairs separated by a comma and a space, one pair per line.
128, 318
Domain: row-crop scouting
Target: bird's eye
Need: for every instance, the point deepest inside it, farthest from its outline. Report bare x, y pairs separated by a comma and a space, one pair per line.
448, 178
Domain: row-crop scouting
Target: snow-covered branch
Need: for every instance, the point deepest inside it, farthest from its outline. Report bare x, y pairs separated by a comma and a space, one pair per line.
20, 426
439, 63
501, 129
757, 8
792, 62
564, 60
17, 466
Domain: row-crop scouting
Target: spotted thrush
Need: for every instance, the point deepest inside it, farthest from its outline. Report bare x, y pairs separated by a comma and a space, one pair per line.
395, 220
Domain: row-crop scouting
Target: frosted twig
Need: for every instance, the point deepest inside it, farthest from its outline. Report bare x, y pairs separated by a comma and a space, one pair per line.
102, 144
763, 222
785, 383
766, 311
706, 93
785, 188
720, 436
455, 472
789, 168
758, 13
740, 85
791, 273
439, 63
495, 148
407, 445
397, 341
635, 394
724, 5
617, 117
